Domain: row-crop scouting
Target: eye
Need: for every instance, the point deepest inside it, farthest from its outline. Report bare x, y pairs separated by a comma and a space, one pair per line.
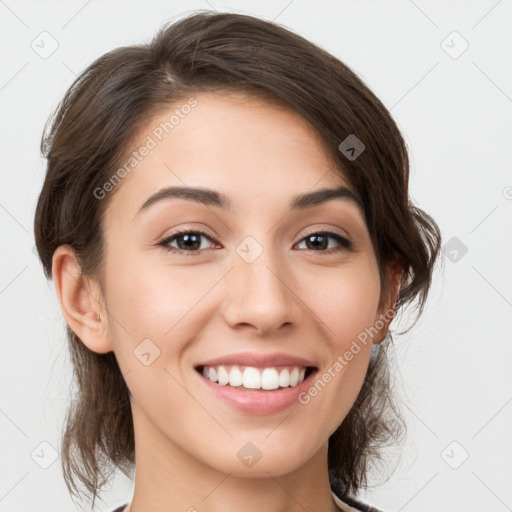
320, 240
189, 242
186, 239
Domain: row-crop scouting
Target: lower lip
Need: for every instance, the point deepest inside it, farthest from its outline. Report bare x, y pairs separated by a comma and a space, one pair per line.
258, 401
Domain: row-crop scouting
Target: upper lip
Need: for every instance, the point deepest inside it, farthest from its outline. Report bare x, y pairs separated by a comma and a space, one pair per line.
259, 360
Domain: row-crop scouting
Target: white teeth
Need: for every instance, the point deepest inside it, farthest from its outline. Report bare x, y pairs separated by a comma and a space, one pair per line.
284, 378
235, 377
252, 378
222, 376
255, 378
294, 377
269, 378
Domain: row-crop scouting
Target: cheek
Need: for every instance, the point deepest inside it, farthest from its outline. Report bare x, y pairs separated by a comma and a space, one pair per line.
348, 303
149, 300
347, 307
157, 311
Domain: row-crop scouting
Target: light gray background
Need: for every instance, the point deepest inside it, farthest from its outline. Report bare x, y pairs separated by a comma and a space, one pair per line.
456, 114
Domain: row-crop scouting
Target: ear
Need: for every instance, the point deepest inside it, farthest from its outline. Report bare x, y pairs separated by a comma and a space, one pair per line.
386, 310
81, 301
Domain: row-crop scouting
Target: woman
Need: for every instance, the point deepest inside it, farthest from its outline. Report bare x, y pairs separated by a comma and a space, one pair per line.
226, 219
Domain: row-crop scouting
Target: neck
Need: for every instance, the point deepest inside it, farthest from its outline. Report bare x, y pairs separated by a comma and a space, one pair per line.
168, 478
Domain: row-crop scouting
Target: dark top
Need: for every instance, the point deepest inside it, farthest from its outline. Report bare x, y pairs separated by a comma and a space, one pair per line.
358, 505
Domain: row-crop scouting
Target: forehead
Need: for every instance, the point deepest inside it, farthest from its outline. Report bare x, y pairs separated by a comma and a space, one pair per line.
255, 152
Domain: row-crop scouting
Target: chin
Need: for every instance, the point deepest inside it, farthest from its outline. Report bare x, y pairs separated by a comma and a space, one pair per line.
258, 460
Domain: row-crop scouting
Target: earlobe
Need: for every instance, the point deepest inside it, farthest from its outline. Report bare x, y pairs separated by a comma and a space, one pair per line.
386, 312
80, 300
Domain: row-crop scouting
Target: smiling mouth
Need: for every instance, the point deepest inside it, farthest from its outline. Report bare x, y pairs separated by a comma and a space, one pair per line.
253, 378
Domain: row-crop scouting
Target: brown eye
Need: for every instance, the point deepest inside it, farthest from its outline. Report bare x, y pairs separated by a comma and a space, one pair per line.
188, 242
319, 241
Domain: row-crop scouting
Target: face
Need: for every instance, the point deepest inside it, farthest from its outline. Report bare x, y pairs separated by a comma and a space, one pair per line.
259, 288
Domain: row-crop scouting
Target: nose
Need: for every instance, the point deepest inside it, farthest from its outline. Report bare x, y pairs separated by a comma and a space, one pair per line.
261, 296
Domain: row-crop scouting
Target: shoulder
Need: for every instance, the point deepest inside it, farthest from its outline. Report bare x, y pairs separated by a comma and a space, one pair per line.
121, 508
360, 506
352, 505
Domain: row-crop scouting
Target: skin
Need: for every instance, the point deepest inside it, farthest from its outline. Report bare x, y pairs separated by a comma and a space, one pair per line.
292, 299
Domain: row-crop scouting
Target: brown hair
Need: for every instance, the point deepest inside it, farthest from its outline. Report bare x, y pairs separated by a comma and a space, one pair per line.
93, 128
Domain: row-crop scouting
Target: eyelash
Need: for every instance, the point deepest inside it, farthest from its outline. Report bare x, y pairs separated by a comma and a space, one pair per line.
345, 244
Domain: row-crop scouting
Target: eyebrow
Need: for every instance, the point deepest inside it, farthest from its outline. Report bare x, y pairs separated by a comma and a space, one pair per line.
210, 197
